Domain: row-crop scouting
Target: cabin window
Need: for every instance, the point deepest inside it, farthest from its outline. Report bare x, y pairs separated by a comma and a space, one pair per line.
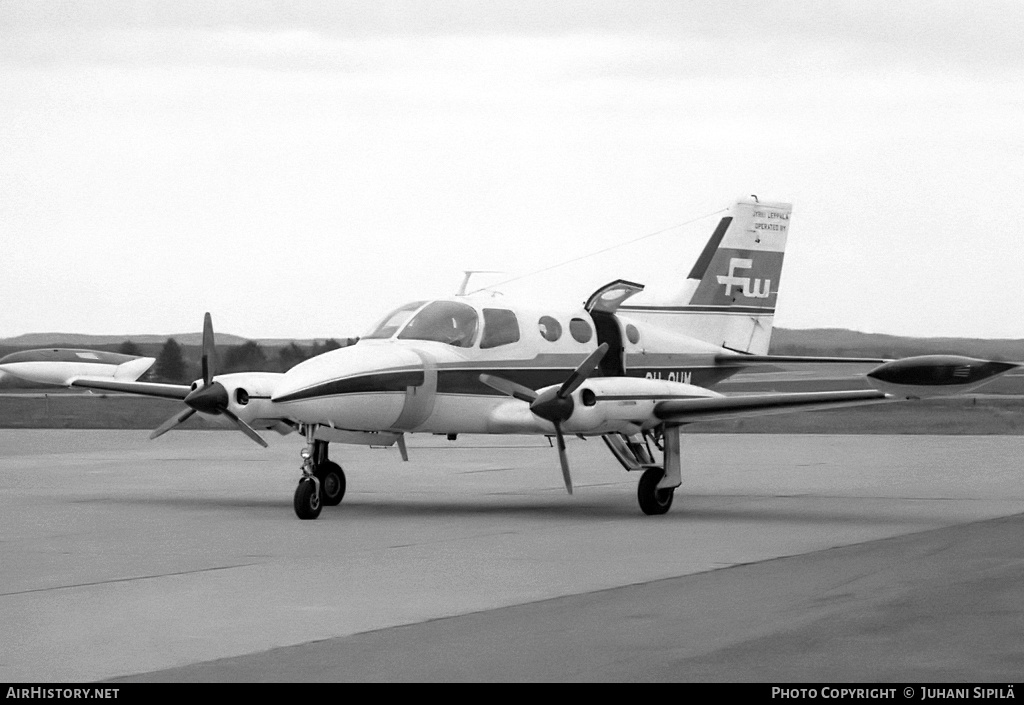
447, 322
500, 328
632, 334
550, 329
580, 330
390, 324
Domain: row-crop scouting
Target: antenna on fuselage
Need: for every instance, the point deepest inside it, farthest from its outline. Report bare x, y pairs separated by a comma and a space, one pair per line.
596, 252
469, 273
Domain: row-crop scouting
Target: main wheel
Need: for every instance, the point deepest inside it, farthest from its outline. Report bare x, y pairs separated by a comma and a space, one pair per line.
652, 500
307, 501
332, 483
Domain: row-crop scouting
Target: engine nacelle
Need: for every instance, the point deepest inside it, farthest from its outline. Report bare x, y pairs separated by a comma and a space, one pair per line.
624, 404
249, 397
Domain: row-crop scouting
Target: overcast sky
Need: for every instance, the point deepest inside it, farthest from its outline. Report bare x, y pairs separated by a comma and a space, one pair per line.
299, 168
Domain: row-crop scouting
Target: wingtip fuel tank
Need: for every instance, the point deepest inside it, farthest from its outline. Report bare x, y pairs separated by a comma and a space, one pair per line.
936, 375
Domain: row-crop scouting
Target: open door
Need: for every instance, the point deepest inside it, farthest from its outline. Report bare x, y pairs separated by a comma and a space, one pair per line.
609, 297
602, 306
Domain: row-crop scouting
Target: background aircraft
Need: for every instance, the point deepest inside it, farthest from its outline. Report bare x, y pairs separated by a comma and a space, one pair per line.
631, 374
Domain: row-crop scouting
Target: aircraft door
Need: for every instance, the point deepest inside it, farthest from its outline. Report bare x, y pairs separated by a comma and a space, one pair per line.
419, 401
602, 305
609, 331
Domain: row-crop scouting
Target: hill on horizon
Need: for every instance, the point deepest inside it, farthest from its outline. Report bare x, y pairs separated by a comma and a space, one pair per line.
850, 343
785, 341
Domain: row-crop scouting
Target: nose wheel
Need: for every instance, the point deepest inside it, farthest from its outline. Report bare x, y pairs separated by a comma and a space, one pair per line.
323, 481
307, 499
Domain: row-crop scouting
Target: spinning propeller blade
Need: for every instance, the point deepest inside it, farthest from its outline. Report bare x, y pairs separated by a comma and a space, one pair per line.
170, 423
563, 459
580, 374
245, 428
510, 388
209, 350
554, 405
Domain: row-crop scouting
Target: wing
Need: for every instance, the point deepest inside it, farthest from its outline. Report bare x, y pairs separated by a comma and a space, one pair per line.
906, 378
149, 389
680, 411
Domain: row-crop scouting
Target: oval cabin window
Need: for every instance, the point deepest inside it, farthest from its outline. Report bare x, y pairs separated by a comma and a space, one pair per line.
550, 329
580, 330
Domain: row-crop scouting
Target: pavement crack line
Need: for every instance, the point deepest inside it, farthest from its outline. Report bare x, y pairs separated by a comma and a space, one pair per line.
126, 580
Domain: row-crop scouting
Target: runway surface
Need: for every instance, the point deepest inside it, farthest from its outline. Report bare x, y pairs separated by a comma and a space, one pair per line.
796, 557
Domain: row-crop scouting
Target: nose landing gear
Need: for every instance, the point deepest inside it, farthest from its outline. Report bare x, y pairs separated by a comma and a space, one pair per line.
307, 497
322, 482
332, 482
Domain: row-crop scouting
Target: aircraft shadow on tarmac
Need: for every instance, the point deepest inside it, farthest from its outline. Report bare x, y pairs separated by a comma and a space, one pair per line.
794, 509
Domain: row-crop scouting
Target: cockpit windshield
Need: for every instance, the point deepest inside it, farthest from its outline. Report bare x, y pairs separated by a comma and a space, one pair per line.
390, 324
448, 322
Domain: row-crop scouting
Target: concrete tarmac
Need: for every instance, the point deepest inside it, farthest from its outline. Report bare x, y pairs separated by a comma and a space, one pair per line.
784, 558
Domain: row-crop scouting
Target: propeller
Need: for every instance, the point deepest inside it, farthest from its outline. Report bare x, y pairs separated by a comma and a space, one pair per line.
211, 398
554, 404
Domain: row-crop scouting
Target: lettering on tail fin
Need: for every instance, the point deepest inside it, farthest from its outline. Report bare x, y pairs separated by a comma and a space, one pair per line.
729, 296
760, 289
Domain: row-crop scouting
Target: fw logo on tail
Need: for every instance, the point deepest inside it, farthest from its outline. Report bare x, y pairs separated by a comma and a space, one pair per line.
760, 289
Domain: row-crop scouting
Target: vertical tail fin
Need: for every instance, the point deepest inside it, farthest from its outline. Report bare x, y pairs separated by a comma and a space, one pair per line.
729, 296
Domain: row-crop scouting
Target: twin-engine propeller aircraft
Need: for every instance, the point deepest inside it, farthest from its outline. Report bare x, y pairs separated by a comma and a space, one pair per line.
631, 374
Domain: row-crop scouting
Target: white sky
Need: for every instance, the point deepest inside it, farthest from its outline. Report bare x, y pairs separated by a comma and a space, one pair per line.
299, 171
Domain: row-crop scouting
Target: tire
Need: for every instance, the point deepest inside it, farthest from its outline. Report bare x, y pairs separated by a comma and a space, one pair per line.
307, 502
652, 500
332, 483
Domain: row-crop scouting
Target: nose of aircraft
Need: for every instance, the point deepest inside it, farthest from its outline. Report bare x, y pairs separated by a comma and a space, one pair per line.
369, 367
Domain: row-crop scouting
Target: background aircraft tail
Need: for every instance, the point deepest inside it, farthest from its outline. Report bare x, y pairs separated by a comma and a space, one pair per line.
729, 296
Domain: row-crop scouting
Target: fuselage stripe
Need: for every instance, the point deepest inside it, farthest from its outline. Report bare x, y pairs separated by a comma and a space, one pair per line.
397, 381
725, 310
466, 382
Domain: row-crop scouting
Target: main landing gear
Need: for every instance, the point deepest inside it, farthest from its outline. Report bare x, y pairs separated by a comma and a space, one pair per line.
652, 500
322, 482
658, 483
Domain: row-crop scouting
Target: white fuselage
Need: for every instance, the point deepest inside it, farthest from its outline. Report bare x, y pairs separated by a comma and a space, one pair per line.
405, 384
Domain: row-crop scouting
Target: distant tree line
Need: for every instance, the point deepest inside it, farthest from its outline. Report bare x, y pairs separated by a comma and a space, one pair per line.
172, 365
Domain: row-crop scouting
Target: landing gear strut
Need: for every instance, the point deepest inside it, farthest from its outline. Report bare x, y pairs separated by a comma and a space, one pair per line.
658, 483
322, 482
330, 474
